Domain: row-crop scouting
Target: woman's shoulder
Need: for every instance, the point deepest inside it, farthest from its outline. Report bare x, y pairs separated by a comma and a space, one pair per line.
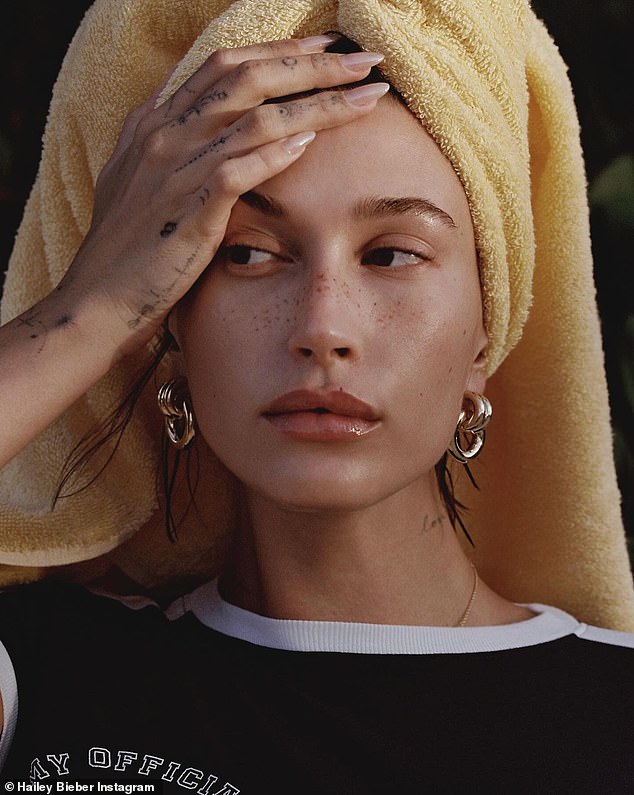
609, 637
587, 658
50, 613
580, 629
77, 601
56, 636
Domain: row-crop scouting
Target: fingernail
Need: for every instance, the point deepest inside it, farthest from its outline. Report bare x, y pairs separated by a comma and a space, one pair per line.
361, 61
296, 143
366, 95
313, 43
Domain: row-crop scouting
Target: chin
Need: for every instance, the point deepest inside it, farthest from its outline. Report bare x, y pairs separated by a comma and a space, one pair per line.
327, 503
327, 483
337, 494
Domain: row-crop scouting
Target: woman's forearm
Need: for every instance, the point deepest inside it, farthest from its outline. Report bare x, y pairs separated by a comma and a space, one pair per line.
49, 356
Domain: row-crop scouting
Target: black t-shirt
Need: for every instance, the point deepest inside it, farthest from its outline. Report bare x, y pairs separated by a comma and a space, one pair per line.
215, 700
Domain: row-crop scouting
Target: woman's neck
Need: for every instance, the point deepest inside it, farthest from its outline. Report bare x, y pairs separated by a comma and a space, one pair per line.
396, 562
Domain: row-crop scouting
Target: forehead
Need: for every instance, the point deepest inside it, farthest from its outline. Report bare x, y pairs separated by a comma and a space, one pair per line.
387, 153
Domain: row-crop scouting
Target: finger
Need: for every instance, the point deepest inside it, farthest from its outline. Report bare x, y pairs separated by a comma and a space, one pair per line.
201, 227
255, 81
268, 123
238, 175
130, 125
222, 61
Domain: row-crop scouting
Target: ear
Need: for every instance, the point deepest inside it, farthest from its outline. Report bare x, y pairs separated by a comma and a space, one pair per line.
171, 332
476, 381
171, 329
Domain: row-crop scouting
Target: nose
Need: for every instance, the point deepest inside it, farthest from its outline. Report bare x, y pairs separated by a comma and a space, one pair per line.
325, 328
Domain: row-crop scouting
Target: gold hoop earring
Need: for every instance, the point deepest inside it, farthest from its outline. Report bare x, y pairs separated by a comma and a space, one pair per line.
173, 401
472, 427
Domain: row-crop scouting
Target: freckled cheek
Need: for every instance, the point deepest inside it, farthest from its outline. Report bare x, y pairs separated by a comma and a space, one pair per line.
429, 378
229, 337
432, 338
385, 315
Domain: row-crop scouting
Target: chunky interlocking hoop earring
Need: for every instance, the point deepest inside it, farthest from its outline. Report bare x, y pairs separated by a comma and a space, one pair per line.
471, 426
173, 401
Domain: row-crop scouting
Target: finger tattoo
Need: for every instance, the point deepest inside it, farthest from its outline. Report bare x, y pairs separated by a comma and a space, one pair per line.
194, 110
169, 229
213, 146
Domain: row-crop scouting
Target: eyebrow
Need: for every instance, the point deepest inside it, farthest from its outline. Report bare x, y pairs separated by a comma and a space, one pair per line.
263, 204
376, 206
371, 207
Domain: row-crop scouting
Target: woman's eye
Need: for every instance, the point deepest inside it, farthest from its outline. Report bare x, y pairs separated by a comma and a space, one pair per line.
393, 257
245, 255
241, 259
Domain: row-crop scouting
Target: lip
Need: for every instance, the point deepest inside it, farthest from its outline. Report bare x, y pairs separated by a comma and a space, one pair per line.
322, 416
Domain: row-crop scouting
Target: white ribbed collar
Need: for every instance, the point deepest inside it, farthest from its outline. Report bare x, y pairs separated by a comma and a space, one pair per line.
210, 609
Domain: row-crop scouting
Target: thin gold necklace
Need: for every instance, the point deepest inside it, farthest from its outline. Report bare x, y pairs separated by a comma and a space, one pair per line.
467, 611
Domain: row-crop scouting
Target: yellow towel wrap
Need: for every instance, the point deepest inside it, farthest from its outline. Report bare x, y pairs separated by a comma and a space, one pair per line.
487, 82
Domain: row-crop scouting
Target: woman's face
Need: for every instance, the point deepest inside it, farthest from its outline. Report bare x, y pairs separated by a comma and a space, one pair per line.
353, 273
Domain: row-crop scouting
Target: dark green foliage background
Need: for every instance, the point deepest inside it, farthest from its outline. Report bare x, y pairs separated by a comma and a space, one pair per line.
596, 38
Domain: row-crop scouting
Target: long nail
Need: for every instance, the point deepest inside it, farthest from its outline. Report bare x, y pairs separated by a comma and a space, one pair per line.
361, 61
366, 95
316, 43
296, 143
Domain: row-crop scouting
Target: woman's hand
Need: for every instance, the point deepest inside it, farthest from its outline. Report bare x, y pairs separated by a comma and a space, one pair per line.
164, 199
162, 205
